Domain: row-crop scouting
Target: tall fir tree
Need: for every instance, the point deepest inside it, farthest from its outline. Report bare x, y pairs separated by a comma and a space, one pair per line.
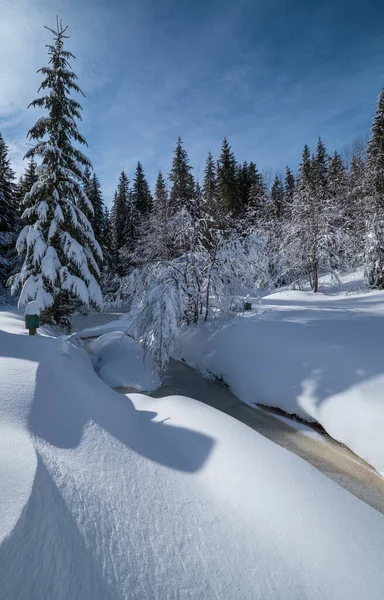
355, 211
7, 190
277, 199
227, 180
374, 201
181, 178
210, 193
289, 189
120, 221
273, 229
96, 198
160, 245
60, 267
243, 185
256, 210
300, 252
141, 193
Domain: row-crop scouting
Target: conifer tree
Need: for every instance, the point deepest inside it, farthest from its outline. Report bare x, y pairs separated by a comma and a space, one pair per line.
227, 180
141, 193
277, 199
120, 220
337, 183
182, 188
300, 248
274, 228
256, 210
159, 242
374, 201
355, 210
289, 189
96, 198
8, 215
243, 185
7, 190
210, 193
60, 267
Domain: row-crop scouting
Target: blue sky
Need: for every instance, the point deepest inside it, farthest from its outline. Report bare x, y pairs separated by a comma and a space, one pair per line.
271, 76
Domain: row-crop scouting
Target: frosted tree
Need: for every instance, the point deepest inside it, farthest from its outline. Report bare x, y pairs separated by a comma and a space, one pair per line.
227, 179
182, 183
141, 193
289, 190
120, 218
210, 195
95, 196
355, 211
300, 248
374, 201
60, 267
256, 211
336, 213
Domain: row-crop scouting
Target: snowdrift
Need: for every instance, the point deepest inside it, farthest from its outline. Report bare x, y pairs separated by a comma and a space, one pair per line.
320, 356
121, 362
130, 497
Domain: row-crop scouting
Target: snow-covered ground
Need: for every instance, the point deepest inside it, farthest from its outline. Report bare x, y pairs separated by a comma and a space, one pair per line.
111, 496
121, 362
320, 356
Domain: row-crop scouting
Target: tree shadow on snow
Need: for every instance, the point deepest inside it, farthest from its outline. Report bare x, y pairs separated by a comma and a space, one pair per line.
69, 396
46, 556
314, 360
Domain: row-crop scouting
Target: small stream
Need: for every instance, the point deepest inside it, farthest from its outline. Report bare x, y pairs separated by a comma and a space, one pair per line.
323, 452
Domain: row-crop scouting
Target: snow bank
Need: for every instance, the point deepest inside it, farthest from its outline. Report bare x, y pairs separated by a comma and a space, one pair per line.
130, 497
320, 356
120, 362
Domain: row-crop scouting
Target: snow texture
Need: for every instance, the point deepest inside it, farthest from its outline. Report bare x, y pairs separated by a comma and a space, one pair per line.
120, 362
32, 308
106, 496
316, 355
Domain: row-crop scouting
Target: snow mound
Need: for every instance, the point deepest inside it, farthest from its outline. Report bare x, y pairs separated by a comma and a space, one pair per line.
319, 356
32, 308
120, 362
136, 498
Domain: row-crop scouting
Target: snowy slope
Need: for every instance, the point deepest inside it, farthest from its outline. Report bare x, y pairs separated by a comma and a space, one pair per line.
120, 362
140, 498
320, 356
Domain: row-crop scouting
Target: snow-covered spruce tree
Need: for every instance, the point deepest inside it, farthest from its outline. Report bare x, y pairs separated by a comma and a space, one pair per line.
8, 215
182, 183
95, 196
256, 211
227, 180
159, 243
120, 221
141, 207
60, 268
210, 195
274, 229
299, 255
289, 190
335, 213
374, 201
355, 210
141, 194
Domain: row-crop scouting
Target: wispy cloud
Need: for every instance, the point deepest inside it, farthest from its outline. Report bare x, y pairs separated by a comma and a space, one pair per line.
269, 76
